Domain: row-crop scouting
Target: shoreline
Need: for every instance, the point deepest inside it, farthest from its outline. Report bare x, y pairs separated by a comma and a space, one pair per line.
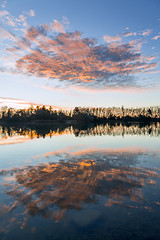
77, 123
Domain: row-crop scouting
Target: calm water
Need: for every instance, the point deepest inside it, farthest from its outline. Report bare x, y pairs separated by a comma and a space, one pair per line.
99, 182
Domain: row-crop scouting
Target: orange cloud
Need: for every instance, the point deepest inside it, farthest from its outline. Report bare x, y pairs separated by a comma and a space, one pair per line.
73, 59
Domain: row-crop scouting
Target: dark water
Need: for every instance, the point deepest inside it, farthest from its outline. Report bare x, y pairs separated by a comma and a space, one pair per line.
98, 182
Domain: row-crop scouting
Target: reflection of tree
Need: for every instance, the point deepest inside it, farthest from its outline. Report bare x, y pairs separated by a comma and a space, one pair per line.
34, 132
107, 129
52, 188
120, 129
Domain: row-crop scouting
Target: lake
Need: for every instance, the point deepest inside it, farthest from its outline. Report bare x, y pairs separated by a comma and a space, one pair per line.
92, 182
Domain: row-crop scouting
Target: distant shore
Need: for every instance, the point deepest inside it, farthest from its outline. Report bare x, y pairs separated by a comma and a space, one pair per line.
78, 116
76, 122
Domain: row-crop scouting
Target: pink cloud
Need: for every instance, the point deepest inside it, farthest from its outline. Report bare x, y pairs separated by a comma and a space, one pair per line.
110, 39
31, 13
14, 140
71, 151
129, 34
20, 21
57, 26
6, 34
127, 90
156, 37
20, 103
146, 32
14, 102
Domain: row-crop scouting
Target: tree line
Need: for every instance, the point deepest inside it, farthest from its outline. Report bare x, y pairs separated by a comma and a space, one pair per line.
79, 114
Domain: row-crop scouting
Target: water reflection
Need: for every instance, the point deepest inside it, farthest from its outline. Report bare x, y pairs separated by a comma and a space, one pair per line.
49, 190
80, 188
10, 135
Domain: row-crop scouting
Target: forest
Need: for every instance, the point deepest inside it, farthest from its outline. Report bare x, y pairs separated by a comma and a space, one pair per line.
79, 114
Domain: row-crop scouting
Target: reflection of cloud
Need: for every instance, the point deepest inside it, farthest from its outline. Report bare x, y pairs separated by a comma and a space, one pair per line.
13, 135
14, 140
50, 189
65, 151
111, 151
87, 151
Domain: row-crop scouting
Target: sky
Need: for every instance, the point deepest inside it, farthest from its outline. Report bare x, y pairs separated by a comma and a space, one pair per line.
80, 53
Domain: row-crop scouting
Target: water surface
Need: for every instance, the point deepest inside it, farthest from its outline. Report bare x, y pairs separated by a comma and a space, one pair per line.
97, 182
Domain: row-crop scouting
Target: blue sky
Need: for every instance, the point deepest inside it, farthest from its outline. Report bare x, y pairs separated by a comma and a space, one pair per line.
80, 53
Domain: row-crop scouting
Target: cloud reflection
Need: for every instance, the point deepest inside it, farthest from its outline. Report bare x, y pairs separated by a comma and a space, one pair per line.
49, 190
